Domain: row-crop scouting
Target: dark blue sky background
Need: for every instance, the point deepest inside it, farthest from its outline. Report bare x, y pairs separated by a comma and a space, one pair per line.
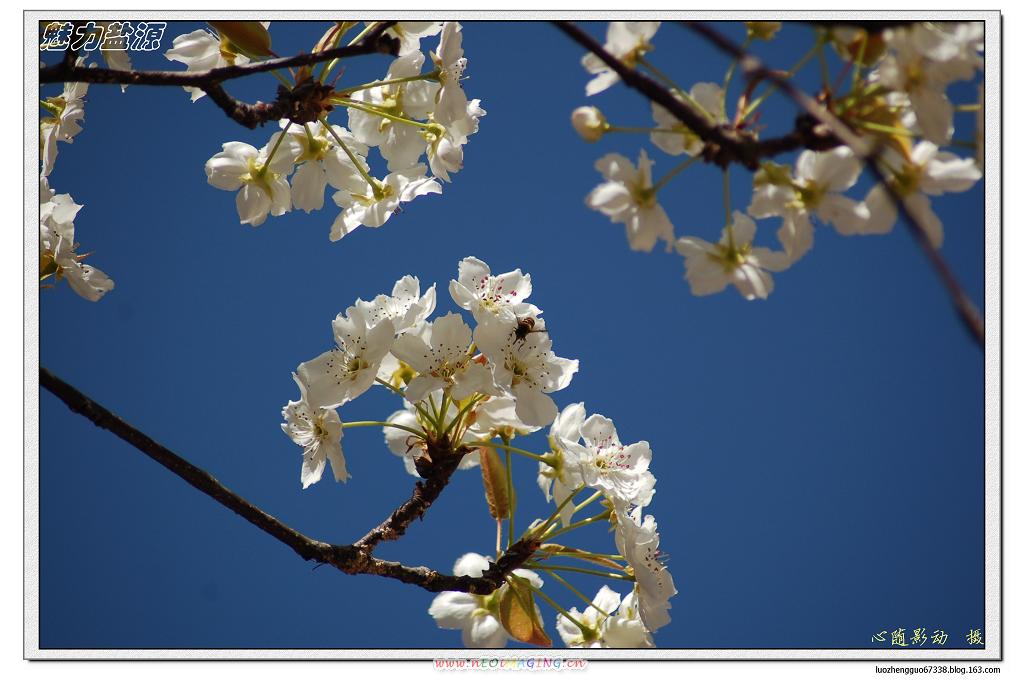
819, 455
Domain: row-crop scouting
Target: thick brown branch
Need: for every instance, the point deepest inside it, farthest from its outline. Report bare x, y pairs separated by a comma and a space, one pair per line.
372, 43
867, 152
723, 144
351, 559
443, 461
247, 115
197, 477
287, 104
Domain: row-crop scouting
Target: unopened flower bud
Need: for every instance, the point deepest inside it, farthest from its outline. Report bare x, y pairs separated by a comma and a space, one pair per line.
856, 44
762, 30
589, 122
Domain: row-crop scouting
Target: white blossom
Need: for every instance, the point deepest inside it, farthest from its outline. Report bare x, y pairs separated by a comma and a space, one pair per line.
57, 245
451, 117
445, 142
342, 374
451, 102
444, 155
402, 443
636, 537
497, 417
928, 172
923, 60
86, 280
710, 267
589, 123
455, 113
611, 622
594, 619
318, 431
401, 144
626, 630
440, 356
525, 368
475, 615
405, 308
374, 204
621, 472
321, 161
628, 197
200, 50
560, 476
466, 124
957, 44
816, 189
626, 40
62, 120
488, 297
262, 184
673, 136
56, 211
409, 34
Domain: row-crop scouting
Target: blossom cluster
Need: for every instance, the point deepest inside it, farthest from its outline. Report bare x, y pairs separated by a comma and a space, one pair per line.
897, 97
443, 364
410, 115
57, 247
477, 387
62, 121
58, 258
583, 453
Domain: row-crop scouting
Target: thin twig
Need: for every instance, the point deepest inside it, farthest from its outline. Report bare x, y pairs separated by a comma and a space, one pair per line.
444, 463
723, 144
351, 559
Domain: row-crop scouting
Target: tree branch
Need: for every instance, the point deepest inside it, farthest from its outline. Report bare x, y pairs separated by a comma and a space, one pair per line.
351, 559
289, 101
817, 130
373, 42
870, 26
437, 472
866, 152
723, 144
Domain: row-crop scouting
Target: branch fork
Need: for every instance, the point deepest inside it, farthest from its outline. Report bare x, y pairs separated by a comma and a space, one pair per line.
302, 101
356, 558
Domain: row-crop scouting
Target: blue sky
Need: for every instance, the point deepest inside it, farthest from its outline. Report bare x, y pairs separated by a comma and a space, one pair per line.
819, 455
